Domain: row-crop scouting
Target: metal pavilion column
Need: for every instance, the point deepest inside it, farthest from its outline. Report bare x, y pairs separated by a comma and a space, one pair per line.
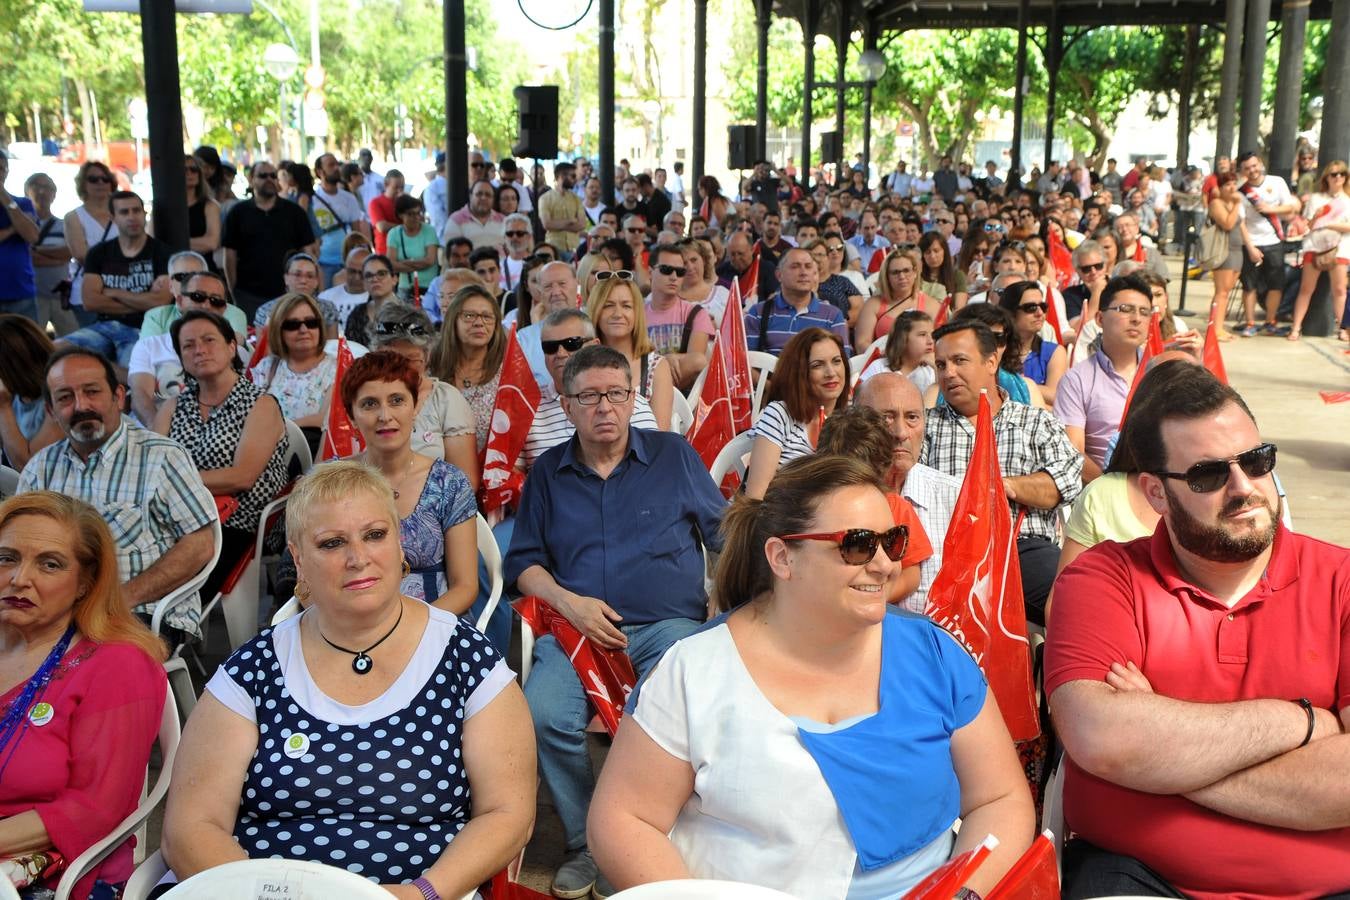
1253, 65
1015, 172
607, 100
456, 107
869, 43
1230, 77
1054, 56
841, 36
810, 16
1288, 86
699, 151
763, 11
159, 43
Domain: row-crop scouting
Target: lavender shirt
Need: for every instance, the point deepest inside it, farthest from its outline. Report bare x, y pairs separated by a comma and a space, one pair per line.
1091, 396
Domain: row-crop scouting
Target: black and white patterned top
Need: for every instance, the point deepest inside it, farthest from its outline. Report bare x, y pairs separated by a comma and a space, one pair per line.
212, 445
379, 789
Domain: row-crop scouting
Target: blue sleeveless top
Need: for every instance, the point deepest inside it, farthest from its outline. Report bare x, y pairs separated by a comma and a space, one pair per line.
1037, 364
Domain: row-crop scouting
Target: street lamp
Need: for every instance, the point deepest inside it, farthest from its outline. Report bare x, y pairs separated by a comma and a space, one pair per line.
873, 65
281, 61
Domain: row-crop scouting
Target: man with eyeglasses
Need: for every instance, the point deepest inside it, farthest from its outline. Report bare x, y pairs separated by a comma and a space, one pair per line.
611, 533
477, 220
1090, 400
1197, 677
679, 330
155, 372
260, 234
561, 212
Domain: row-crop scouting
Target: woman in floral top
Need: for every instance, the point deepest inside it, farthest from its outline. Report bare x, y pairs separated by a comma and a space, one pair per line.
470, 353
297, 371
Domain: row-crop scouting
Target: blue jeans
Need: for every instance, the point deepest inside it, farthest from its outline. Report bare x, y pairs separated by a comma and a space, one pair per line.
560, 711
114, 340
26, 306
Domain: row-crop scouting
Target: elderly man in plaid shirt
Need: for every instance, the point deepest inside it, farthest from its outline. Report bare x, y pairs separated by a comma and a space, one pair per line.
1041, 469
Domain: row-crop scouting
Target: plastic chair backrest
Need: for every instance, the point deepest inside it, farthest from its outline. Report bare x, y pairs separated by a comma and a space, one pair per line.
293, 879
1052, 811
681, 413
9, 484
191, 586
761, 367
297, 448
170, 731
492, 558
733, 457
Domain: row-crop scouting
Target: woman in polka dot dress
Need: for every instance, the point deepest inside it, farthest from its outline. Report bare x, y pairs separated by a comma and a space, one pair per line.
373, 732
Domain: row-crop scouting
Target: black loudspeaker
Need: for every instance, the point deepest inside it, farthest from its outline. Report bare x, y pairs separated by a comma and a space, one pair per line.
538, 122
741, 145
831, 148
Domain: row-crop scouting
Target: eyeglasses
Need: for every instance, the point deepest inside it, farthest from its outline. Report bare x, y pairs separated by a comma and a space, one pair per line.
668, 269
296, 324
97, 179
944, 221
1208, 477
571, 345
184, 277
857, 546
1129, 309
516, 234
636, 230
993, 227
472, 318
1092, 267
621, 274
266, 176
1031, 308
387, 329
379, 273
592, 398
215, 300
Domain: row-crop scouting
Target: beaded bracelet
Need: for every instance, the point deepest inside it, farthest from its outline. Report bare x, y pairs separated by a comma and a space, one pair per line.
428, 892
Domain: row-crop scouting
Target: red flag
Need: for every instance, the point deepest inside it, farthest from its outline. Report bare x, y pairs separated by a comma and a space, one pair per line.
260, 351
503, 887
714, 424
1329, 397
1052, 311
944, 881
977, 594
1061, 259
750, 287
874, 264
417, 291
1152, 347
1212, 356
943, 308
340, 438
518, 398
1033, 877
606, 675
736, 361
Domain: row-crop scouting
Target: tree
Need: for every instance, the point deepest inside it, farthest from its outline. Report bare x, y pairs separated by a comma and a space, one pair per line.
1104, 69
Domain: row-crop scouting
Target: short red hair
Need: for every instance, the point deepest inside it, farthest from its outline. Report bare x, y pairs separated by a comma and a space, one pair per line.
378, 365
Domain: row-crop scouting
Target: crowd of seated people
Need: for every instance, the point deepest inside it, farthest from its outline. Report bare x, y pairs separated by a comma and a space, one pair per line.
761, 742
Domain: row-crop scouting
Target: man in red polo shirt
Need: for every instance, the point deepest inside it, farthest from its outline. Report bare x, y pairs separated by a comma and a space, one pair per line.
1195, 678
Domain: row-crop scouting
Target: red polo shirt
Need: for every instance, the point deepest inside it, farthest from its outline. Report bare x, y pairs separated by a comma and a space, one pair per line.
1288, 638
381, 210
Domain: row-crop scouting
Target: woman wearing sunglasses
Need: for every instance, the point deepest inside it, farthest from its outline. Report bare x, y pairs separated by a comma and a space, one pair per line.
1043, 361
88, 224
764, 748
807, 385
616, 309
470, 352
1327, 246
444, 426
297, 371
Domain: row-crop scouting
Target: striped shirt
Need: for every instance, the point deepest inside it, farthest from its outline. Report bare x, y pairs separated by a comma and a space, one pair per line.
776, 424
551, 426
148, 491
785, 321
1029, 440
933, 495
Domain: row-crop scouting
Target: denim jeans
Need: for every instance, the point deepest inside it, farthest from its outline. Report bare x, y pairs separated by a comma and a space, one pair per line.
112, 339
560, 711
23, 306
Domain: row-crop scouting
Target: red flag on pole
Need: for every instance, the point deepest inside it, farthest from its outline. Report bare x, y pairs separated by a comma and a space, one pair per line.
1052, 311
260, 351
1033, 877
340, 438
606, 675
977, 594
1212, 356
518, 398
1061, 259
944, 881
736, 361
941, 318
714, 424
1152, 347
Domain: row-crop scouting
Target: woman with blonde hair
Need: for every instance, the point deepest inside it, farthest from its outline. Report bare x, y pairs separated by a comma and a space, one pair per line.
82, 688
1327, 246
615, 308
899, 291
203, 211
700, 278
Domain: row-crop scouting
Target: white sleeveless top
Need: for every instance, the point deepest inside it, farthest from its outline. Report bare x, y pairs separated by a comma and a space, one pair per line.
93, 234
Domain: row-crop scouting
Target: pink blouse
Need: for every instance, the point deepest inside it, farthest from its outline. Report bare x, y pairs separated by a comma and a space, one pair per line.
884, 322
82, 770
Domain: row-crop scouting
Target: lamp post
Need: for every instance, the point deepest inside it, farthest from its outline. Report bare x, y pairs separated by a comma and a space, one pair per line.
873, 65
281, 61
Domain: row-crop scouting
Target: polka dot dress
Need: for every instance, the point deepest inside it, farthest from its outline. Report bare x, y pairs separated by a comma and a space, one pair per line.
381, 799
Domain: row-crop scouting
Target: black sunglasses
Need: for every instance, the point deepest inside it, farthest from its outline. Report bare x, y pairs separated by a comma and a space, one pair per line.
1030, 308
1207, 477
668, 269
1092, 267
204, 297
97, 179
514, 234
296, 324
571, 345
857, 546
267, 175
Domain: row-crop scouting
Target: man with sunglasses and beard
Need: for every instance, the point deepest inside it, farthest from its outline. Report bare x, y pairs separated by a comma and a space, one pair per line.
1198, 677
260, 234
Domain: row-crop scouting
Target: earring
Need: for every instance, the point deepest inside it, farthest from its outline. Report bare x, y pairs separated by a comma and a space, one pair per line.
407, 569
302, 592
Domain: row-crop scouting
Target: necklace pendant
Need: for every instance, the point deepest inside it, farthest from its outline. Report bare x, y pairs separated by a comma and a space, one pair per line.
362, 664
395, 495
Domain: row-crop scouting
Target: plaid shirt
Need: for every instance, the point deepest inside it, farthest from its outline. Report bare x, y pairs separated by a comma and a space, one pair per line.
1029, 440
148, 491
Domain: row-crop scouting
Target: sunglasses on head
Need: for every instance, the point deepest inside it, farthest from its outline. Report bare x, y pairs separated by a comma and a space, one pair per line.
386, 329
204, 297
668, 269
857, 546
183, 277
1208, 477
621, 274
311, 323
571, 345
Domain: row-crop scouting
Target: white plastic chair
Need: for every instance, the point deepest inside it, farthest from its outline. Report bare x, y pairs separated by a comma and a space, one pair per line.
681, 413
9, 484
734, 457
297, 448
761, 367
699, 889
7, 891
856, 363
180, 680
169, 733
191, 586
1052, 811
241, 603
293, 879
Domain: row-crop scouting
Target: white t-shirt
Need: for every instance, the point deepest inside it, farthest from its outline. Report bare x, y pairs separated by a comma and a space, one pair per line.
1273, 192
344, 301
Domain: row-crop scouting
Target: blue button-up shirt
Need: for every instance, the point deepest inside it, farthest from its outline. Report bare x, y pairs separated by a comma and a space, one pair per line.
632, 539
785, 321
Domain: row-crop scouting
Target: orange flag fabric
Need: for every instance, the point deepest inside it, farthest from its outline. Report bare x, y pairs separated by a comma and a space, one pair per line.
606, 675
1033, 877
736, 361
977, 594
340, 438
1212, 356
944, 881
518, 398
1152, 347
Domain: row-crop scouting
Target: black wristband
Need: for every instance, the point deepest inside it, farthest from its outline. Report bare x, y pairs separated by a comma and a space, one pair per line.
1312, 719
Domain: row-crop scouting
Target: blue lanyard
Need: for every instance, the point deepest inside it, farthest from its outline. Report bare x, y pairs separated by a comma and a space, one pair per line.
15, 722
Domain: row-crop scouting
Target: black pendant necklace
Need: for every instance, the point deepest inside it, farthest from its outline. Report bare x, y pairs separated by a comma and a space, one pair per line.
362, 664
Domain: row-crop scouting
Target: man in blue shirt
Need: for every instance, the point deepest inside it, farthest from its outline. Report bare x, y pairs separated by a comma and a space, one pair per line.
18, 230
794, 308
868, 242
610, 533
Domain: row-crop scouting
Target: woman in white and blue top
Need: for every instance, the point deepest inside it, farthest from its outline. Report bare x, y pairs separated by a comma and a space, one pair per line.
809, 380
810, 739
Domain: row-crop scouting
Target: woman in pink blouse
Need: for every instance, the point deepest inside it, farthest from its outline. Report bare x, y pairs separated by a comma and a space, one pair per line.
82, 688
